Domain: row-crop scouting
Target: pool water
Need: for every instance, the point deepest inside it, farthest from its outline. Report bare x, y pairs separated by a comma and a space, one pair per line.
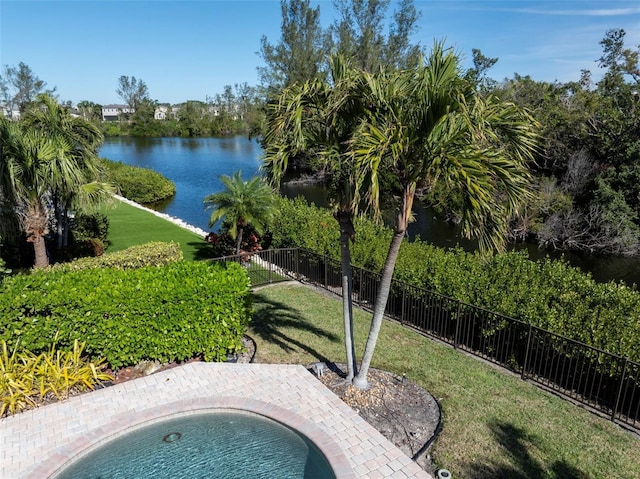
208, 445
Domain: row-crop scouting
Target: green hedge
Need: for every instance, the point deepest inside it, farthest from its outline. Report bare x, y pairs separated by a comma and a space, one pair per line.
141, 185
138, 256
550, 294
167, 313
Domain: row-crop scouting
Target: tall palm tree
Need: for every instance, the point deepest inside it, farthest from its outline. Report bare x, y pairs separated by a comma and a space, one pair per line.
82, 189
430, 130
317, 119
242, 203
29, 162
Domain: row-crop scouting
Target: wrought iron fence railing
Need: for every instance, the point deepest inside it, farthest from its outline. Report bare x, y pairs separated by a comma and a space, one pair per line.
605, 382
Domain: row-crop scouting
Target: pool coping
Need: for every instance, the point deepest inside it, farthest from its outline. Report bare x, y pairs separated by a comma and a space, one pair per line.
39, 442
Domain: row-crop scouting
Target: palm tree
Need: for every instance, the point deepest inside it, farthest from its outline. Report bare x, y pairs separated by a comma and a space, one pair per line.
317, 119
429, 129
80, 189
29, 160
242, 203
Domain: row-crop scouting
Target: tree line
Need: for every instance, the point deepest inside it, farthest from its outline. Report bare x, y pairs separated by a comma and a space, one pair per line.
483, 152
586, 173
585, 189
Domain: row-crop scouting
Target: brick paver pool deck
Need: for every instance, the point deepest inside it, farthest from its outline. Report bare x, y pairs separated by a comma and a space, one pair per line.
38, 443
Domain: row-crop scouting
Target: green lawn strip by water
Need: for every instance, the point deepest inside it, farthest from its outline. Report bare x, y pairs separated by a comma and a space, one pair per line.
130, 226
494, 424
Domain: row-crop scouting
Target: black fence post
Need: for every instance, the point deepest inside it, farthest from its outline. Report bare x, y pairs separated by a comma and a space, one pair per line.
404, 296
617, 403
326, 279
271, 265
455, 335
525, 365
297, 259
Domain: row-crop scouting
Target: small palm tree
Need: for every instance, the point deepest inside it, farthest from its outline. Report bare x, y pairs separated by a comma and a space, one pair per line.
28, 162
242, 203
429, 129
317, 119
81, 189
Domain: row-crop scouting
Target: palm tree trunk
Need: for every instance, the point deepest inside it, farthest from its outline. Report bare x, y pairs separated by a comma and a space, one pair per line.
40, 249
347, 233
36, 229
361, 381
239, 240
59, 221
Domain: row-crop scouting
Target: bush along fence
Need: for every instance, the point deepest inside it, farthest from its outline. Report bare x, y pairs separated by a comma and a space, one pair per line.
606, 383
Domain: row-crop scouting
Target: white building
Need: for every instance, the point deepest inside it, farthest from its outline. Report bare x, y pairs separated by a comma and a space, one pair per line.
113, 112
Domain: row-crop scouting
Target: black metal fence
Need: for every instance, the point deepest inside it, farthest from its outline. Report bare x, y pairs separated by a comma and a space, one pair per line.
605, 382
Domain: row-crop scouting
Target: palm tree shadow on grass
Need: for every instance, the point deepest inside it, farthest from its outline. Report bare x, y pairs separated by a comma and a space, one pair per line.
518, 442
202, 250
272, 318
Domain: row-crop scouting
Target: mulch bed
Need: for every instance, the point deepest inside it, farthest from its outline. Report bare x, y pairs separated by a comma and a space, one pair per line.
403, 412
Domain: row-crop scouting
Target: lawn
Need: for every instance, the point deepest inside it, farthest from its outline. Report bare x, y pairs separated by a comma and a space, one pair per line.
494, 424
130, 226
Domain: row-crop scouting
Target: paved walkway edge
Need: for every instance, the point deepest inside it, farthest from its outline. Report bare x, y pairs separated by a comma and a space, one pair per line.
38, 443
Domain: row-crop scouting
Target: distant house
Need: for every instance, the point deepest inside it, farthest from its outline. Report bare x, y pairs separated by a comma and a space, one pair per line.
161, 112
9, 112
113, 112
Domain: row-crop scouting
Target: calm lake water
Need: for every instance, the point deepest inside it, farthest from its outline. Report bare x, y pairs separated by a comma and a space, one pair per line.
195, 165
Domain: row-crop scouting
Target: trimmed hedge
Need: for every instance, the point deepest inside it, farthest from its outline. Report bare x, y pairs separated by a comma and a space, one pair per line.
169, 313
142, 185
550, 294
138, 256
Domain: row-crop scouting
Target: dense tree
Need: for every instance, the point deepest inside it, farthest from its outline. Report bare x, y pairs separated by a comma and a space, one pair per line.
358, 33
19, 86
241, 204
143, 118
301, 52
132, 91
587, 171
90, 111
192, 116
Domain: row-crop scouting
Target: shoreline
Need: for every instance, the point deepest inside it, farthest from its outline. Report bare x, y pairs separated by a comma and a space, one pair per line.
176, 221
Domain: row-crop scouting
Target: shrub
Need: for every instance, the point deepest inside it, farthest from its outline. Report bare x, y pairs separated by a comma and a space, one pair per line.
137, 256
141, 185
93, 226
169, 313
27, 379
549, 294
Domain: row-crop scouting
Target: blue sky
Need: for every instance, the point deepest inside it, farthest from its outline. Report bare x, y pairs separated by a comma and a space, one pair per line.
190, 49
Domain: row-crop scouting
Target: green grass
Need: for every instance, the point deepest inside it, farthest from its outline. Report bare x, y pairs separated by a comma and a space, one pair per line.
494, 424
130, 226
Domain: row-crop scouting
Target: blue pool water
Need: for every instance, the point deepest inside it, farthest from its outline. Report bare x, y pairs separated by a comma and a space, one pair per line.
209, 445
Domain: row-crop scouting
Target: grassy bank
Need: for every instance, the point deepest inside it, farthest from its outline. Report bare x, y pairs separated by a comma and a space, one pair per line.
130, 226
494, 424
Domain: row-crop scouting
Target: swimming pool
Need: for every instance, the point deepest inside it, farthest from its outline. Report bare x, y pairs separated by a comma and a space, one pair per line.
226, 444
42, 442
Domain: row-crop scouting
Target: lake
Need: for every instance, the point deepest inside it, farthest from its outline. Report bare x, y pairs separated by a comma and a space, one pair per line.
195, 165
